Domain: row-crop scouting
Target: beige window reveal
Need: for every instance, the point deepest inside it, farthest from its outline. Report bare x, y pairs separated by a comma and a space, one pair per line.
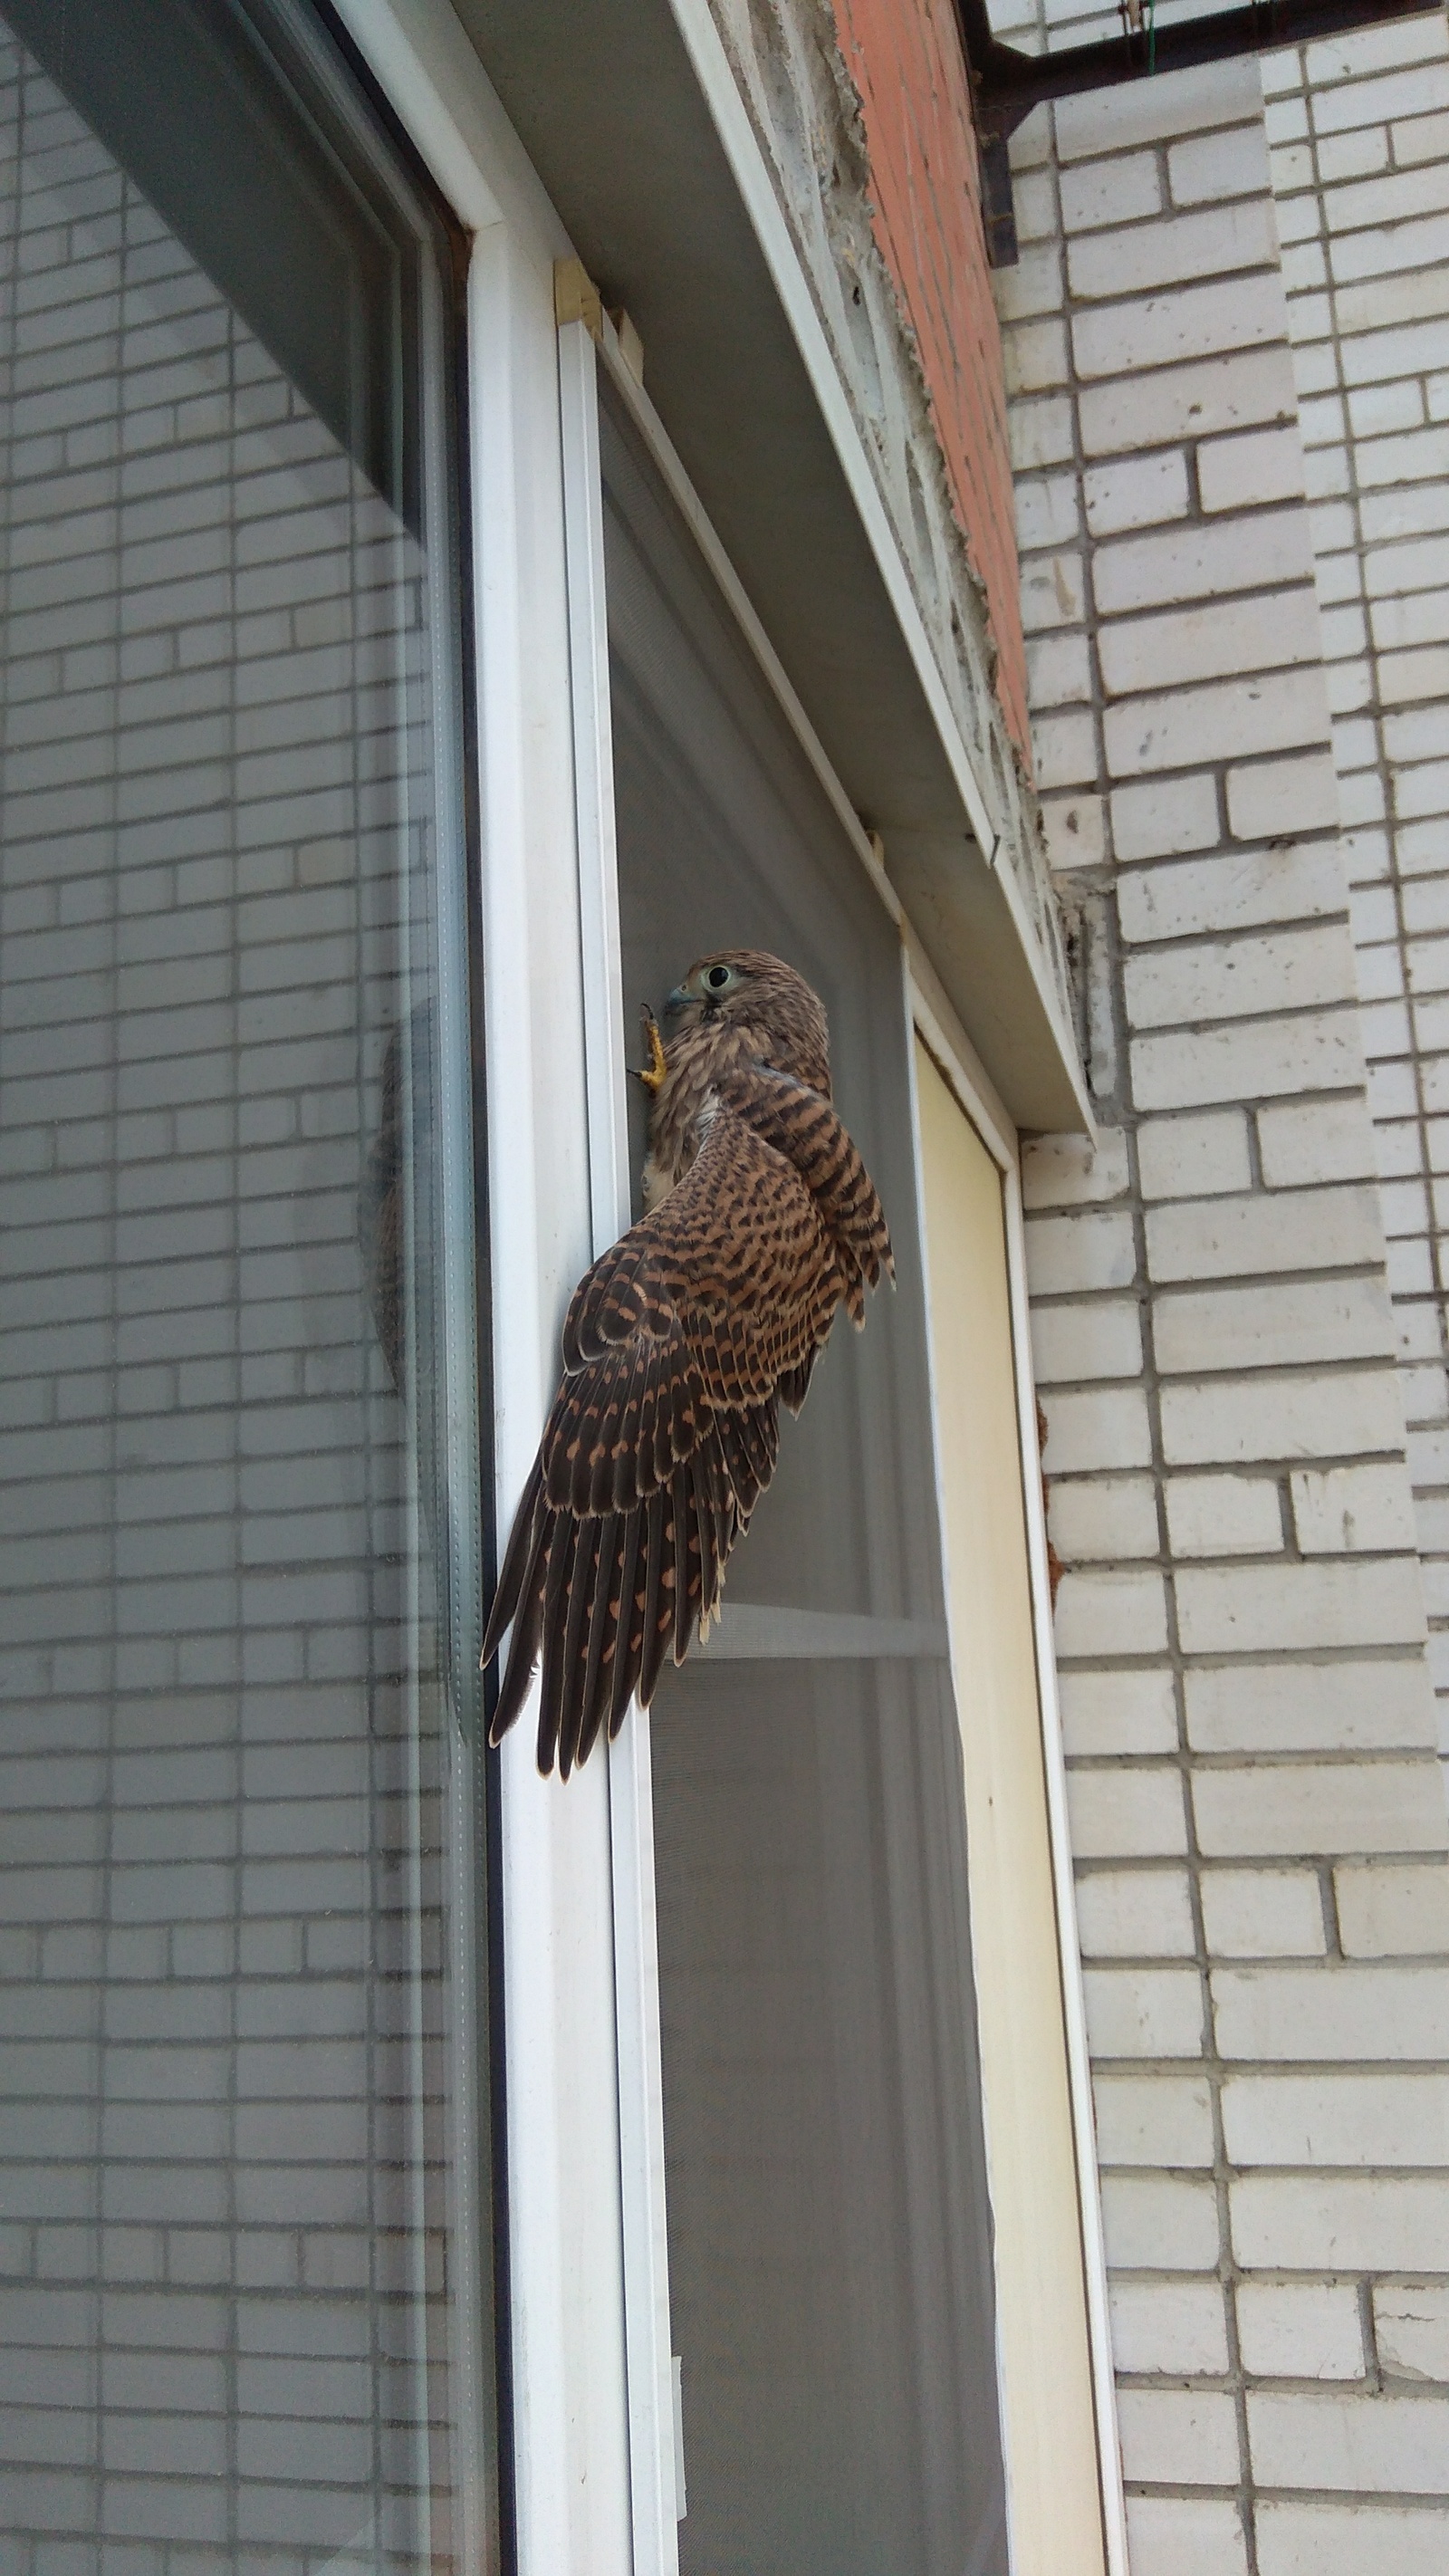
1055, 2502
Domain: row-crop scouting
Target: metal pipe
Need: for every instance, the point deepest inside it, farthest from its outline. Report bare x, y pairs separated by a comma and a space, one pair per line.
1007, 85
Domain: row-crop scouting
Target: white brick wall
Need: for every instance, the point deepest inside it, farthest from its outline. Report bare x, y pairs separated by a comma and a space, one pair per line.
1361, 191
1219, 1313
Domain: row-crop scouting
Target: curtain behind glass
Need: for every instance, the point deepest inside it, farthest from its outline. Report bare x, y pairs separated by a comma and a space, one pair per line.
240, 2216
829, 2233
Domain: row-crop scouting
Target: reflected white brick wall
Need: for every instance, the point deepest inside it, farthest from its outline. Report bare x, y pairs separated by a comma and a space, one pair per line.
223, 2254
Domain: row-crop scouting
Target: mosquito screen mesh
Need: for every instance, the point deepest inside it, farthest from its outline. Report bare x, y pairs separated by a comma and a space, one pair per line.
829, 2235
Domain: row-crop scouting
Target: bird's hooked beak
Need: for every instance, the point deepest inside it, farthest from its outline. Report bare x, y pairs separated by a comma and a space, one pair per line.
687, 1009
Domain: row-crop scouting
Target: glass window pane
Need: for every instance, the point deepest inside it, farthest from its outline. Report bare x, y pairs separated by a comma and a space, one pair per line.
243, 2196
829, 2231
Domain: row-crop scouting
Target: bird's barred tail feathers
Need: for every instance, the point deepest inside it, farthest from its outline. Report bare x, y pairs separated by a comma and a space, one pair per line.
603, 1598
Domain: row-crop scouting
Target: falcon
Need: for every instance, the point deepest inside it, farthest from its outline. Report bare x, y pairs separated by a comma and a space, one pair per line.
679, 1347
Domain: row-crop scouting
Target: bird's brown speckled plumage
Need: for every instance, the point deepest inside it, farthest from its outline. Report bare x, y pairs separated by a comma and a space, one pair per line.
761, 1220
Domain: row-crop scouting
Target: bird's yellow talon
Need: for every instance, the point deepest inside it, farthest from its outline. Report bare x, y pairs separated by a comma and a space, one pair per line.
652, 1073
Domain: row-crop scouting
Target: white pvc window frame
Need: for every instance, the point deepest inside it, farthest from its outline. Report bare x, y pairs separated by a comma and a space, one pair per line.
592, 2383
573, 2459
654, 2445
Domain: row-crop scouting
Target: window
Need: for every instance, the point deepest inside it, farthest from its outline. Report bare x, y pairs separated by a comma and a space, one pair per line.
244, 2187
829, 2233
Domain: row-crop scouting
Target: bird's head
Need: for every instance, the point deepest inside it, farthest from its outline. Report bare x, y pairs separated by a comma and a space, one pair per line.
762, 1004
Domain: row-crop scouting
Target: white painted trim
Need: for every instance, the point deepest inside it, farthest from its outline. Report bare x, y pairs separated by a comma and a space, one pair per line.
436, 86
951, 1049
413, 53
631, 1789
563, 2180
756, 187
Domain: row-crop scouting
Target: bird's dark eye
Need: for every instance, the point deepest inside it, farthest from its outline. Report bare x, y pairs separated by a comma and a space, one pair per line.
717, 978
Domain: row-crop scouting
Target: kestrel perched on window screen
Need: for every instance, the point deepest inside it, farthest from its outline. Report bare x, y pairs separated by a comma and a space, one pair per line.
678, 1348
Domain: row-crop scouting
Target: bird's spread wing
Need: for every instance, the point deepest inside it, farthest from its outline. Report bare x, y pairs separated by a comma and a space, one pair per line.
677, 1345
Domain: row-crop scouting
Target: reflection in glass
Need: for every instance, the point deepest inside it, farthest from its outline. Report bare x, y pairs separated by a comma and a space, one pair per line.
829, 2234
240, 2276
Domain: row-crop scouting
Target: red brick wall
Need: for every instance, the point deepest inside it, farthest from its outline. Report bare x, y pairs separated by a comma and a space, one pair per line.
906, 61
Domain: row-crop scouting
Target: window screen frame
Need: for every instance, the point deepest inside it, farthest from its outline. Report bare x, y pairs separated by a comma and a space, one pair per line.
658, 2442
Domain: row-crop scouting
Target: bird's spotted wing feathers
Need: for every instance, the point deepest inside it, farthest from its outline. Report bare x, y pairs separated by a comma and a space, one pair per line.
677, 1345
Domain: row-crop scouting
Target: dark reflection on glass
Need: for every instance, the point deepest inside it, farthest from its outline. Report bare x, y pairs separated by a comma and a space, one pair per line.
240, 2288
829, 2233
301, 240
